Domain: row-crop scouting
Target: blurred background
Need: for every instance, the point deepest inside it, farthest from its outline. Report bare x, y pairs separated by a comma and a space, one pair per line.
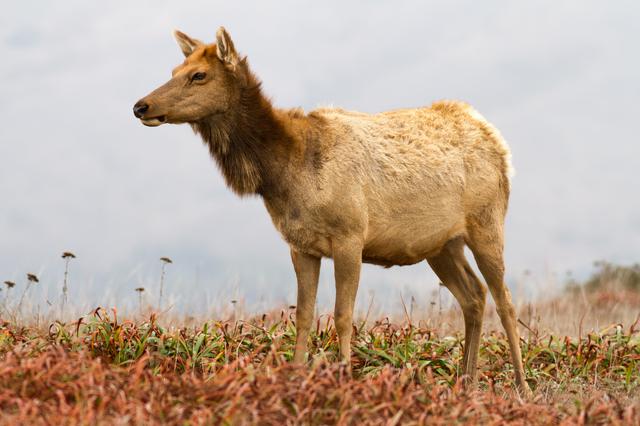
79, 173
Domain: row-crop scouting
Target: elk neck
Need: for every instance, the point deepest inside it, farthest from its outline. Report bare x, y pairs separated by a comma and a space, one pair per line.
252, 143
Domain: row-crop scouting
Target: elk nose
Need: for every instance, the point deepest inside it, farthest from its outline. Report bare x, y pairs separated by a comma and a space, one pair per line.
140, 108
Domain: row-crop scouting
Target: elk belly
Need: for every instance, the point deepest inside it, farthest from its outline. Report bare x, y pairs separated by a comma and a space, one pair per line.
410, 241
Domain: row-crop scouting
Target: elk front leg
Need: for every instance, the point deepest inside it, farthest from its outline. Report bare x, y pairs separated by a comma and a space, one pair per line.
307, 269
347, 258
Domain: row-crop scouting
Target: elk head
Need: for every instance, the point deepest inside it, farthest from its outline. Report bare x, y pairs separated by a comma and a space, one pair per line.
208, 83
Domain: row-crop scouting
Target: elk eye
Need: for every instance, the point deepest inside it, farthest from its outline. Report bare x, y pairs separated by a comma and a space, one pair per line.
198, 76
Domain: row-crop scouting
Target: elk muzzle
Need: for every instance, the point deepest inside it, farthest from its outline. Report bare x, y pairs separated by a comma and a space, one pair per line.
141, 109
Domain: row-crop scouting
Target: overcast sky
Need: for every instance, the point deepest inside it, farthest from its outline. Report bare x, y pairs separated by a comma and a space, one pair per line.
78, 172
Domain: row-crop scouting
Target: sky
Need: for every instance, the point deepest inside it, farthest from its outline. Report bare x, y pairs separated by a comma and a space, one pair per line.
78, 172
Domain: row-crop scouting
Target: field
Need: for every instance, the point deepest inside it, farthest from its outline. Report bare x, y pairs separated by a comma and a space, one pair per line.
102, 369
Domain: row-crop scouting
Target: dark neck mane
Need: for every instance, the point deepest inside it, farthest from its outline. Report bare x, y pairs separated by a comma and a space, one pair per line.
238, 139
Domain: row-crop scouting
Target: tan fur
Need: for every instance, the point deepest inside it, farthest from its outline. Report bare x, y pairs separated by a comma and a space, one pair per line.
393, 188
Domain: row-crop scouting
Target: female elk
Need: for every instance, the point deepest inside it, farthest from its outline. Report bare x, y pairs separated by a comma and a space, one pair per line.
393, 188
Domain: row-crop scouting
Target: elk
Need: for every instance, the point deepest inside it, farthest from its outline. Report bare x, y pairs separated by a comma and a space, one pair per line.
393, 188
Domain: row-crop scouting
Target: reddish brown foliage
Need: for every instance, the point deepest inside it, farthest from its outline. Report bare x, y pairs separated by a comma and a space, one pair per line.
60, 387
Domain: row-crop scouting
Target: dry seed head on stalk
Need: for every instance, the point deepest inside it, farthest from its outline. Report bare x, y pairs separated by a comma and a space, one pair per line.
33, 278
166, 260
68, 255
9, 284
140, 289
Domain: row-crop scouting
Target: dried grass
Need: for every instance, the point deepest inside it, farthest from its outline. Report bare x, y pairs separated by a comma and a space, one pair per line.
102, 370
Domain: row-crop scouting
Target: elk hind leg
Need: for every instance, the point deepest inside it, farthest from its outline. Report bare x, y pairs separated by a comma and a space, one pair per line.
486, 241
455, 273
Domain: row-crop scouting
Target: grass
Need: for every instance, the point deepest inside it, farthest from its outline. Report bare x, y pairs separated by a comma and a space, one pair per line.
105, 370
581, 353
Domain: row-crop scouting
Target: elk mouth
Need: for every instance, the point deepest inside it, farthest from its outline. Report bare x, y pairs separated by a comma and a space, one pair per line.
154, 121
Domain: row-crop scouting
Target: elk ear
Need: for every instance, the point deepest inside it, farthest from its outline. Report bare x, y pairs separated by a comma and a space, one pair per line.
186, 43
225, 49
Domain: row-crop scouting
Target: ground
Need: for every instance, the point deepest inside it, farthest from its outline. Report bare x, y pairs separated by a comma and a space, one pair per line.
102, 369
